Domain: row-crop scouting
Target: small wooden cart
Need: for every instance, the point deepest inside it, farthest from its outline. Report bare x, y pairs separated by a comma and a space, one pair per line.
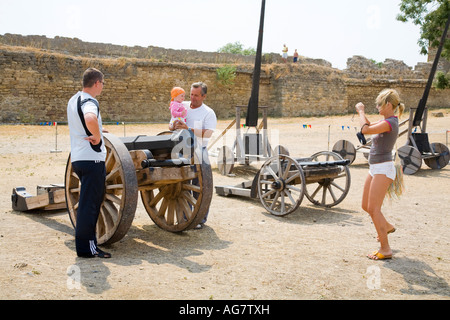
417, 147
283, 181
174, 181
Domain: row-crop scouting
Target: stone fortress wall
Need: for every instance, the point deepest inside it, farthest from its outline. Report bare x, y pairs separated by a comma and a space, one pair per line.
38, 75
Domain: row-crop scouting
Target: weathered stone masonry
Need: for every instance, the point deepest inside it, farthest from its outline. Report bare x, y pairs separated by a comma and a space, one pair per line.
39, 75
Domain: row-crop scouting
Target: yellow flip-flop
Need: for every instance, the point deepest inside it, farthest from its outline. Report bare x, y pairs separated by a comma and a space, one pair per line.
378, 256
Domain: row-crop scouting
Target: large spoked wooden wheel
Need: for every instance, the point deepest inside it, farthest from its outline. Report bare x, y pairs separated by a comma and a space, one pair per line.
121, 191
182, 205
327, 186
281, 185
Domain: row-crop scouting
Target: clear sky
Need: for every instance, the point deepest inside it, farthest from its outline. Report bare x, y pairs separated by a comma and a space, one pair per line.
333, 30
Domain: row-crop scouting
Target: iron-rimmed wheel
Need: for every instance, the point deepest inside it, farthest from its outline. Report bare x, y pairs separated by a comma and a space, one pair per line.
121, 191
182, 205
281, 185
332, 183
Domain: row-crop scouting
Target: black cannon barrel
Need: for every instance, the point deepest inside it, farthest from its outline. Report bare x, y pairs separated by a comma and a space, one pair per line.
149, 163
148, 142
182, 138
345, 162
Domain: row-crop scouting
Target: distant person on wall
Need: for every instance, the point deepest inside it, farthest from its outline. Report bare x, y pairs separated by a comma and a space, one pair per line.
88, 154
177, 108
295, 56
202, 120
285, 53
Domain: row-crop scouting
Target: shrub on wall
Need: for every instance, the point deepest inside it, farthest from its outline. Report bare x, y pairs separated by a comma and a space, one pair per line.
226, 75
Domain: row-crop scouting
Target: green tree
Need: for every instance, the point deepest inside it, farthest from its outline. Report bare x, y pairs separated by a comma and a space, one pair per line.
431, 16
237, 48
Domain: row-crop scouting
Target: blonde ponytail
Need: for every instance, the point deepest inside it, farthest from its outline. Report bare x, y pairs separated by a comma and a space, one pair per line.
391, 96
401, 109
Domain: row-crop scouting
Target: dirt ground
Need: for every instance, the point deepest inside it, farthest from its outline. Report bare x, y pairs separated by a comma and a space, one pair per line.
243, 252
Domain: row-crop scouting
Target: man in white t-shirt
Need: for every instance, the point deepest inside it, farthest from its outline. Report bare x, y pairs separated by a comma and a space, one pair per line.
88, 154
201, 119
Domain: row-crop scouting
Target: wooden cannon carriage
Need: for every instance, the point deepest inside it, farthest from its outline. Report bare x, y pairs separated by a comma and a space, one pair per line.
174, 181
283, 181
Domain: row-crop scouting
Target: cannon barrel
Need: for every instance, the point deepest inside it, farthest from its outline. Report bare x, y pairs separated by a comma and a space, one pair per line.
345, 162
149, 163
184, 139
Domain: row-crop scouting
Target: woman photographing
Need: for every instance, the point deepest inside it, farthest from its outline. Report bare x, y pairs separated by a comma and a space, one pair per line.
382, 171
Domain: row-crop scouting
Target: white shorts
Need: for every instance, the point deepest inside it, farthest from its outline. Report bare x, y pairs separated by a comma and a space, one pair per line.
386, 168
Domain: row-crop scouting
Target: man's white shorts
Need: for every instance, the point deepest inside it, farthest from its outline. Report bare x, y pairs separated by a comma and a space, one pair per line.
386, 168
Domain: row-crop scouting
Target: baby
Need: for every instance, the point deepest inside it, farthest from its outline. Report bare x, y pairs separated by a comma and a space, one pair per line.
177, 109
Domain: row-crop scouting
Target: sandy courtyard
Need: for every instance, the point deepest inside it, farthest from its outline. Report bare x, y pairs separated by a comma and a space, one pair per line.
243, 252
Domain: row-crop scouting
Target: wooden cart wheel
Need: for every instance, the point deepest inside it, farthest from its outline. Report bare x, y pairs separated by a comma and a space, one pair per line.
121, 191
281, 185
181, 206
225, 160
345, 149
442, 160
411, 159
330, 190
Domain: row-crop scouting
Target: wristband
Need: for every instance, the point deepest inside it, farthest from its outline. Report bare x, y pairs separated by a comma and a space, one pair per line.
365, 124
